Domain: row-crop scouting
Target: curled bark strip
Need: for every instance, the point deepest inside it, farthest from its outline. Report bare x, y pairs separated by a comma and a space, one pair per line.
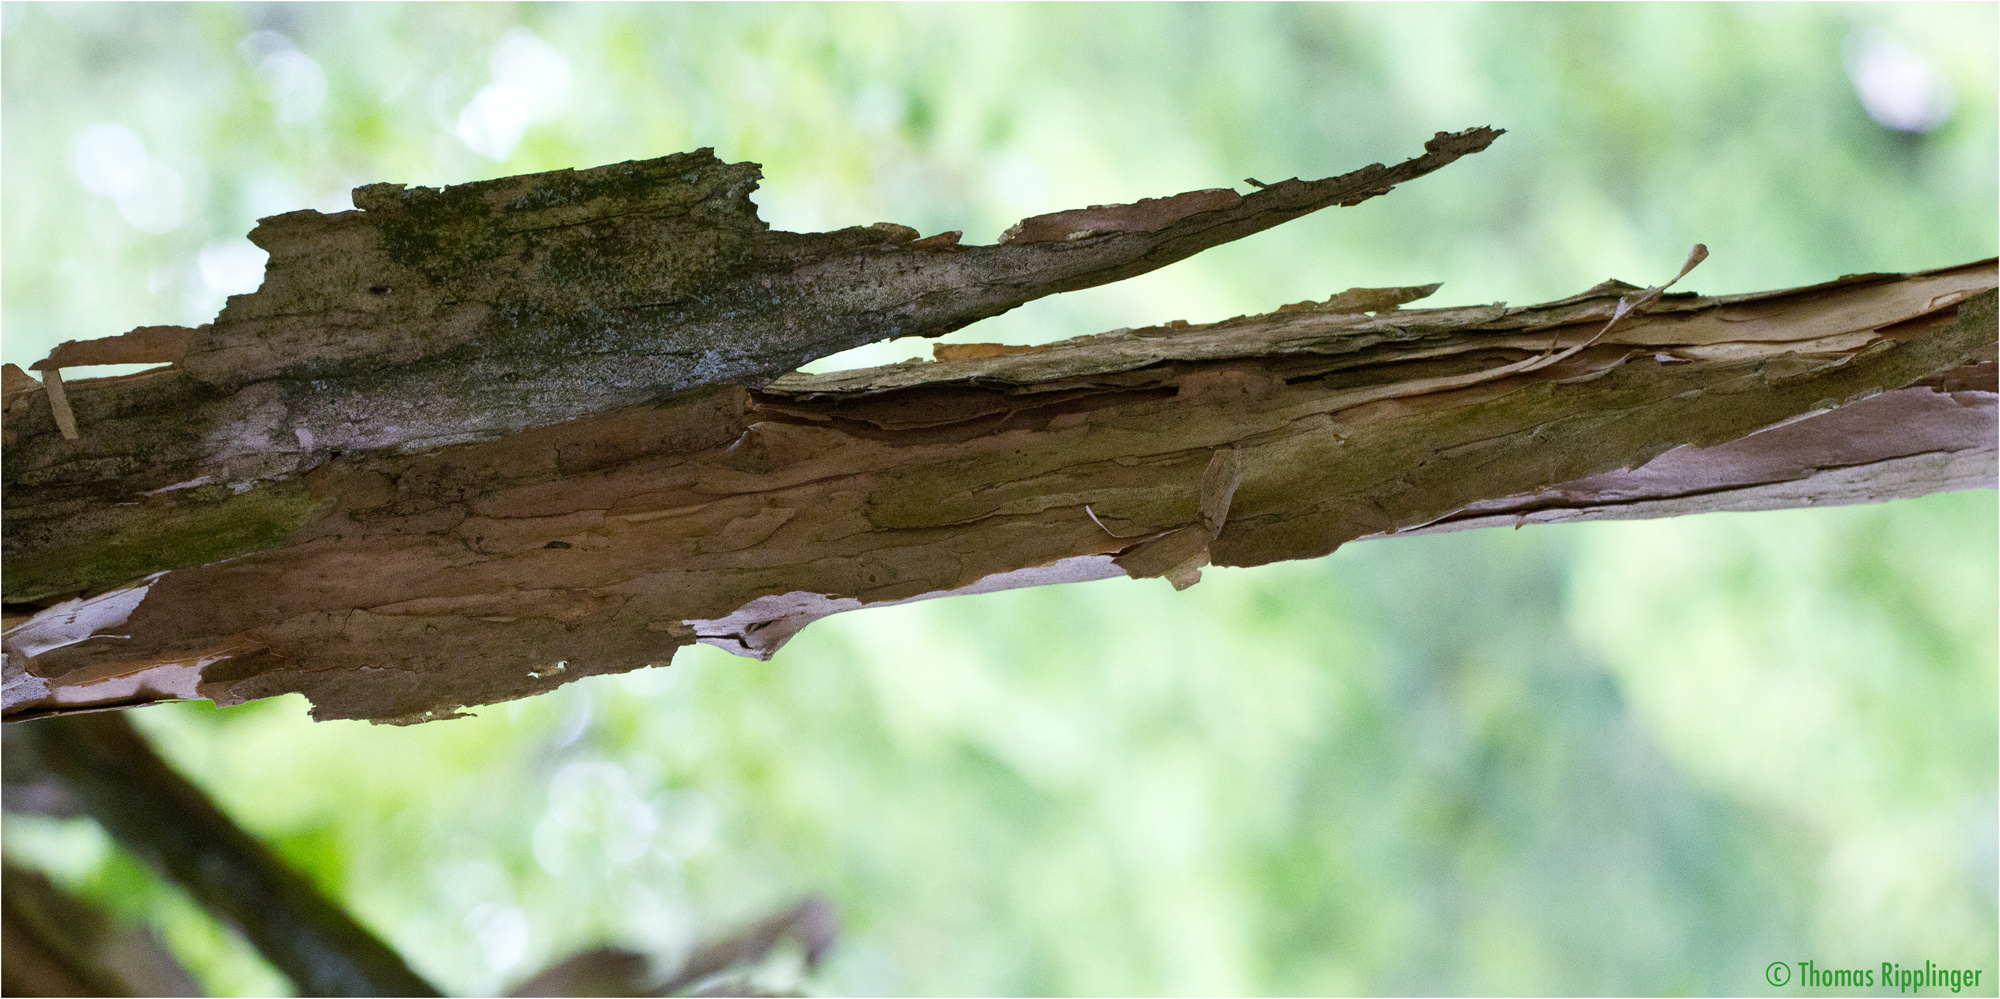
1624, 308
415, 584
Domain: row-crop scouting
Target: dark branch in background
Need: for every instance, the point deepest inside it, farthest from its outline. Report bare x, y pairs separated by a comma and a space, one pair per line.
166, 820
611, 971
26, 787
55, 944
58, 945
604, 971
811, 922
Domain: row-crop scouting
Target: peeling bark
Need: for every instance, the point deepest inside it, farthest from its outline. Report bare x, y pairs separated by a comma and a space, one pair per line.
427, 317
415, 572
494, 570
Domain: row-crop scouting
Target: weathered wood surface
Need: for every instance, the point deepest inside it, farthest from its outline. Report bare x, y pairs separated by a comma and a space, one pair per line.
496, 569
427, 318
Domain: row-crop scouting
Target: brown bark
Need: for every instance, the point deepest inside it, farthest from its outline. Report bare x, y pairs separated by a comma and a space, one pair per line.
489, 571
400, 583
432, 317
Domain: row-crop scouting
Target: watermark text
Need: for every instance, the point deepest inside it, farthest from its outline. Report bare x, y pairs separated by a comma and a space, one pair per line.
1889, 976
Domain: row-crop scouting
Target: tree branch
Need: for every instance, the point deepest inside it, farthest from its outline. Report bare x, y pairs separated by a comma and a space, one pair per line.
55, 944
165, 819
735, 516
433, 317
613, 971
811, 922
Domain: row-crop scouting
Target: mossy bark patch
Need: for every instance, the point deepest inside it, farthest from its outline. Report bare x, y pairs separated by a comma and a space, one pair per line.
198, 527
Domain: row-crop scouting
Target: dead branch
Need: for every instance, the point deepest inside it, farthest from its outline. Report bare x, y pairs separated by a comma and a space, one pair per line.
170, 823
53, 943
433, 317
466, 445
613, 971
735, 516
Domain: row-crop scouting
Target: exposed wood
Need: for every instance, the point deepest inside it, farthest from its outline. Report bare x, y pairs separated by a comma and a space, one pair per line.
168, 822
492, 570
1910, 442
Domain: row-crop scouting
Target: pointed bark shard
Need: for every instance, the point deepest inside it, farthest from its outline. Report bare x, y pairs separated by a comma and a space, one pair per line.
941, 241
1145, 215
15, 384
974, 351
144, 345
1177, 555
1357, 300
1187, 573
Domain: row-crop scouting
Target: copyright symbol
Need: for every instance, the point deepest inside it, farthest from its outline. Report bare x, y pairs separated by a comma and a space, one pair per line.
1778, 973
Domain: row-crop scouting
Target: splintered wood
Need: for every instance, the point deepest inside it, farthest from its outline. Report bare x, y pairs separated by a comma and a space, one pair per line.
489, 570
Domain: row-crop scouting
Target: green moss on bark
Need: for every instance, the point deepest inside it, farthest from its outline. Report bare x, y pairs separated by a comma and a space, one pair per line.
199, 526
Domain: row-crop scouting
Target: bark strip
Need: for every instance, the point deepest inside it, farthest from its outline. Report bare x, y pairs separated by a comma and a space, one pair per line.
735, 516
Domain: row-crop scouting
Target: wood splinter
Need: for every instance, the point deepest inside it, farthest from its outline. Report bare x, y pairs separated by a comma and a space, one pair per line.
59, 404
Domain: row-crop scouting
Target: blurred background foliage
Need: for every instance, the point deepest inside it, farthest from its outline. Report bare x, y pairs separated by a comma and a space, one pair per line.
1646, 757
